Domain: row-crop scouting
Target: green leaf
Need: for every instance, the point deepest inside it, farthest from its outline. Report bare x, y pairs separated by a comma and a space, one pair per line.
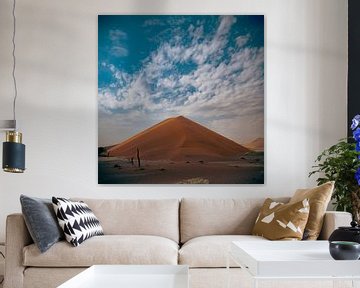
338, 163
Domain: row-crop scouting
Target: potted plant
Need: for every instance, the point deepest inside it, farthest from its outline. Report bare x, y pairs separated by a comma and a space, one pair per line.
341, 163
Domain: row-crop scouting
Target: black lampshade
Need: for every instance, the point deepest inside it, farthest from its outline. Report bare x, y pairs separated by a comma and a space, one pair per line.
13, 153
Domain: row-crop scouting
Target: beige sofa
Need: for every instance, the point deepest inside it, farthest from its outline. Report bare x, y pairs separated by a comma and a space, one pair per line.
194, 232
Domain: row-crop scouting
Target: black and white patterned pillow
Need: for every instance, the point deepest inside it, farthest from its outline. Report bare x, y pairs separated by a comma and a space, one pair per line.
77, 220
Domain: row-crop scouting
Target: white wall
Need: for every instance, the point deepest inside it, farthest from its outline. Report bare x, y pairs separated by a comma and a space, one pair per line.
306, 63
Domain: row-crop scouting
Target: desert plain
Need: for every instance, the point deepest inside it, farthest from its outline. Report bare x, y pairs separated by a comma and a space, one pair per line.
181, 151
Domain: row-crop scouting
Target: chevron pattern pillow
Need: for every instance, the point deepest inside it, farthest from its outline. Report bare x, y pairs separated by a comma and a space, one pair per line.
77, 220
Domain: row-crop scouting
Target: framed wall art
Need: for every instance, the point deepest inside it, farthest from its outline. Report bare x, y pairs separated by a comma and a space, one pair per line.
180, 99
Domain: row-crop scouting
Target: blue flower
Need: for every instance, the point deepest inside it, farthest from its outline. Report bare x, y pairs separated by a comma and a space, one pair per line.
357, 176
357, 147
355, 122
356, 134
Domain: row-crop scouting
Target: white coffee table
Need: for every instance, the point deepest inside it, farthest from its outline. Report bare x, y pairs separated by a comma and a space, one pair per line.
131, 276
297, 260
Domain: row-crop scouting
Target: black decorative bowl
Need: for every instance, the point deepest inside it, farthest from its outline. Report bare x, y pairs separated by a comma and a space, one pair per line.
344, 250
347, 233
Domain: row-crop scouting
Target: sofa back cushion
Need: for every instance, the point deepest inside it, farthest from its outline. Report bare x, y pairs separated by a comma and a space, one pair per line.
200, 217
159, 217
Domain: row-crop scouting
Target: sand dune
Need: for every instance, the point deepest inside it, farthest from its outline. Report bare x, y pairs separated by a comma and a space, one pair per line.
179, 139
256, 145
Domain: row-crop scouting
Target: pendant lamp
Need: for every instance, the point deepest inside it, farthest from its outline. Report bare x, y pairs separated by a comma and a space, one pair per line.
13, 159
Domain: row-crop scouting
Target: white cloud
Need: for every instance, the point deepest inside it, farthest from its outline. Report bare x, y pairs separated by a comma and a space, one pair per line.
153, 22
169, 82
173, 21
196, 32
242, 40
107, 101
119, 51
116, 35
213, 84
117, 47
225, 24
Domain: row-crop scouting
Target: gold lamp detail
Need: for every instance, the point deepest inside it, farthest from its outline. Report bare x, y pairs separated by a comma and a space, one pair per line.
13, 160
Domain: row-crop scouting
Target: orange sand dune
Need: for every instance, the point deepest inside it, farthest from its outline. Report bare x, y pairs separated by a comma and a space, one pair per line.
256, 145
178, 139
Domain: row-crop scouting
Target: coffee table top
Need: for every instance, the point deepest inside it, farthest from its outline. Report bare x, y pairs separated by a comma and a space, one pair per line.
291, 259
131, 276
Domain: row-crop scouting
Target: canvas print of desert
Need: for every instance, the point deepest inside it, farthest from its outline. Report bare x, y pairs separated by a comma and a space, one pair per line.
180, 99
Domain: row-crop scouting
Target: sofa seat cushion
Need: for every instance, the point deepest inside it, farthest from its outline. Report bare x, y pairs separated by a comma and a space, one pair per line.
159, 217
107, 249
211, 251
206, 217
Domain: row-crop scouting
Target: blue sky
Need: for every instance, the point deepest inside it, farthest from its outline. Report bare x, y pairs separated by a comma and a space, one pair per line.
207, 68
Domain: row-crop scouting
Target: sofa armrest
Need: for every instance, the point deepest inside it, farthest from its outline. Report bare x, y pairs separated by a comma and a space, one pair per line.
17, 237
333, 220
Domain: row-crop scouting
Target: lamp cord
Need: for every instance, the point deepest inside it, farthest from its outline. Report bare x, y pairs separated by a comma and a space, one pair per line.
14, 61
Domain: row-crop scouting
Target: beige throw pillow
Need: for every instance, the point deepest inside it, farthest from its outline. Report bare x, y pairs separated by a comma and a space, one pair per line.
279, 221
319, 198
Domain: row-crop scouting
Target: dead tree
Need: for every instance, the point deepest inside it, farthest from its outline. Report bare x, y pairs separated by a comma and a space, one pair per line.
138, 156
